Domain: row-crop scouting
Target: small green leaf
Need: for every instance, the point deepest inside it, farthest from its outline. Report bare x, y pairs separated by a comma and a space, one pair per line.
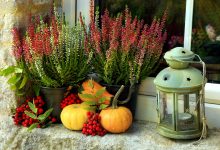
101, 100
89, 96
47, 124
103, 106
100, 92
18, 70
7, 71
91, 108
45, 115
36, 90
24, 81
34, 125
18, 93
30, 114
32, 107
91, 84
13, 79
13, 87
90, 103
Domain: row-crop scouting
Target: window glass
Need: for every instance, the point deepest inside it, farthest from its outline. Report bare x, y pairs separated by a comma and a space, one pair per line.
206, 35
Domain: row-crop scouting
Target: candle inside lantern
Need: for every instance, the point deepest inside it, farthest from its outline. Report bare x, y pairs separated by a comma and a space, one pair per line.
185, 117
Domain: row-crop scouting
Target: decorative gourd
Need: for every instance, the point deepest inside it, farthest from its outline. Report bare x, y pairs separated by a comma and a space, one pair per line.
92, 91
116, 119
74, 116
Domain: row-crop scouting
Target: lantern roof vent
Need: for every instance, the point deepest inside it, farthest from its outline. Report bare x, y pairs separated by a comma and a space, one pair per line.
178, 79
177, 57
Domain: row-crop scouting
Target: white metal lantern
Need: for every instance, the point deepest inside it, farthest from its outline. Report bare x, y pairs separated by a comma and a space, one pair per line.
180, 97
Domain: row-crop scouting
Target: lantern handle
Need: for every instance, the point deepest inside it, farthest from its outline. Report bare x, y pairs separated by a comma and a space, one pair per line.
202, 97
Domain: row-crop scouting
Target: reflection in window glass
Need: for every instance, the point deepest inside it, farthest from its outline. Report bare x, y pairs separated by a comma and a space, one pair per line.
206, 35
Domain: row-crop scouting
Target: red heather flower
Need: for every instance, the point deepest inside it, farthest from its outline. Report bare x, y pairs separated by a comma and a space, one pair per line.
115, 34
128, 33
17, 47
164, 18
38, 44
142, 40
55, 31
141, 56
128, 17
91, 11
97, 39
138, 31
47, 50
31, 30
86, 44
26, 49
105, 26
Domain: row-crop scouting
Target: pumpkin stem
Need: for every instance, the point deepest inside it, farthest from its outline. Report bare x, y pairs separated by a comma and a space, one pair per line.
115, 99
131, 90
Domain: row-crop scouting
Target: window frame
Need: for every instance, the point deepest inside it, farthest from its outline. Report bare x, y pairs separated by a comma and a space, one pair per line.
212, 90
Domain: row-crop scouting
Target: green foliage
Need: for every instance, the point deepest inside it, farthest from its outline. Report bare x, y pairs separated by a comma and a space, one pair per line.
96, 99
124, 48
41, 118
68, 63
17, 77
117, 70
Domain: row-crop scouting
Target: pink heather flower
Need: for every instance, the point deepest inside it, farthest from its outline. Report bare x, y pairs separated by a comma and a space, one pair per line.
38, 44
97, 39
86, 44
138, 31
47, 49
55, 30
143, 37
91, 11
27, 54
115, 34
126, 35
105, 26
108, 54
153, 24
17, 47
127, 17
30, 30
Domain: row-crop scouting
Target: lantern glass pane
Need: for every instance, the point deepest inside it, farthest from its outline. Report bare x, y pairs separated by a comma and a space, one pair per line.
187, 112
166, 109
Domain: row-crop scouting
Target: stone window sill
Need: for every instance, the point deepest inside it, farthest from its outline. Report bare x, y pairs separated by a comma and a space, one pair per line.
142, 135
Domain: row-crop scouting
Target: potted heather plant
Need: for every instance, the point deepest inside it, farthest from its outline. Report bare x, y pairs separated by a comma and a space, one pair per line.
125, 50
55, 58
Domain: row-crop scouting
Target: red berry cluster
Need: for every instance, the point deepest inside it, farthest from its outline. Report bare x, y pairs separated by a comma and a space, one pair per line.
20, 118
70, 99
93, 126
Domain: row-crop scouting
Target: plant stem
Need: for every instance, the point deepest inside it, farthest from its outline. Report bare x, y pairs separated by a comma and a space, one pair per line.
115, 100
131, 90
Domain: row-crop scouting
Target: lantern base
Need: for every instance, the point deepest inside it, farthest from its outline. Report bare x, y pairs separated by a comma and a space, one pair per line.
190, 134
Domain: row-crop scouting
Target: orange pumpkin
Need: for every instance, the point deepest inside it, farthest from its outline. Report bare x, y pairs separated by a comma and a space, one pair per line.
74, 116
116, 119
89, 92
